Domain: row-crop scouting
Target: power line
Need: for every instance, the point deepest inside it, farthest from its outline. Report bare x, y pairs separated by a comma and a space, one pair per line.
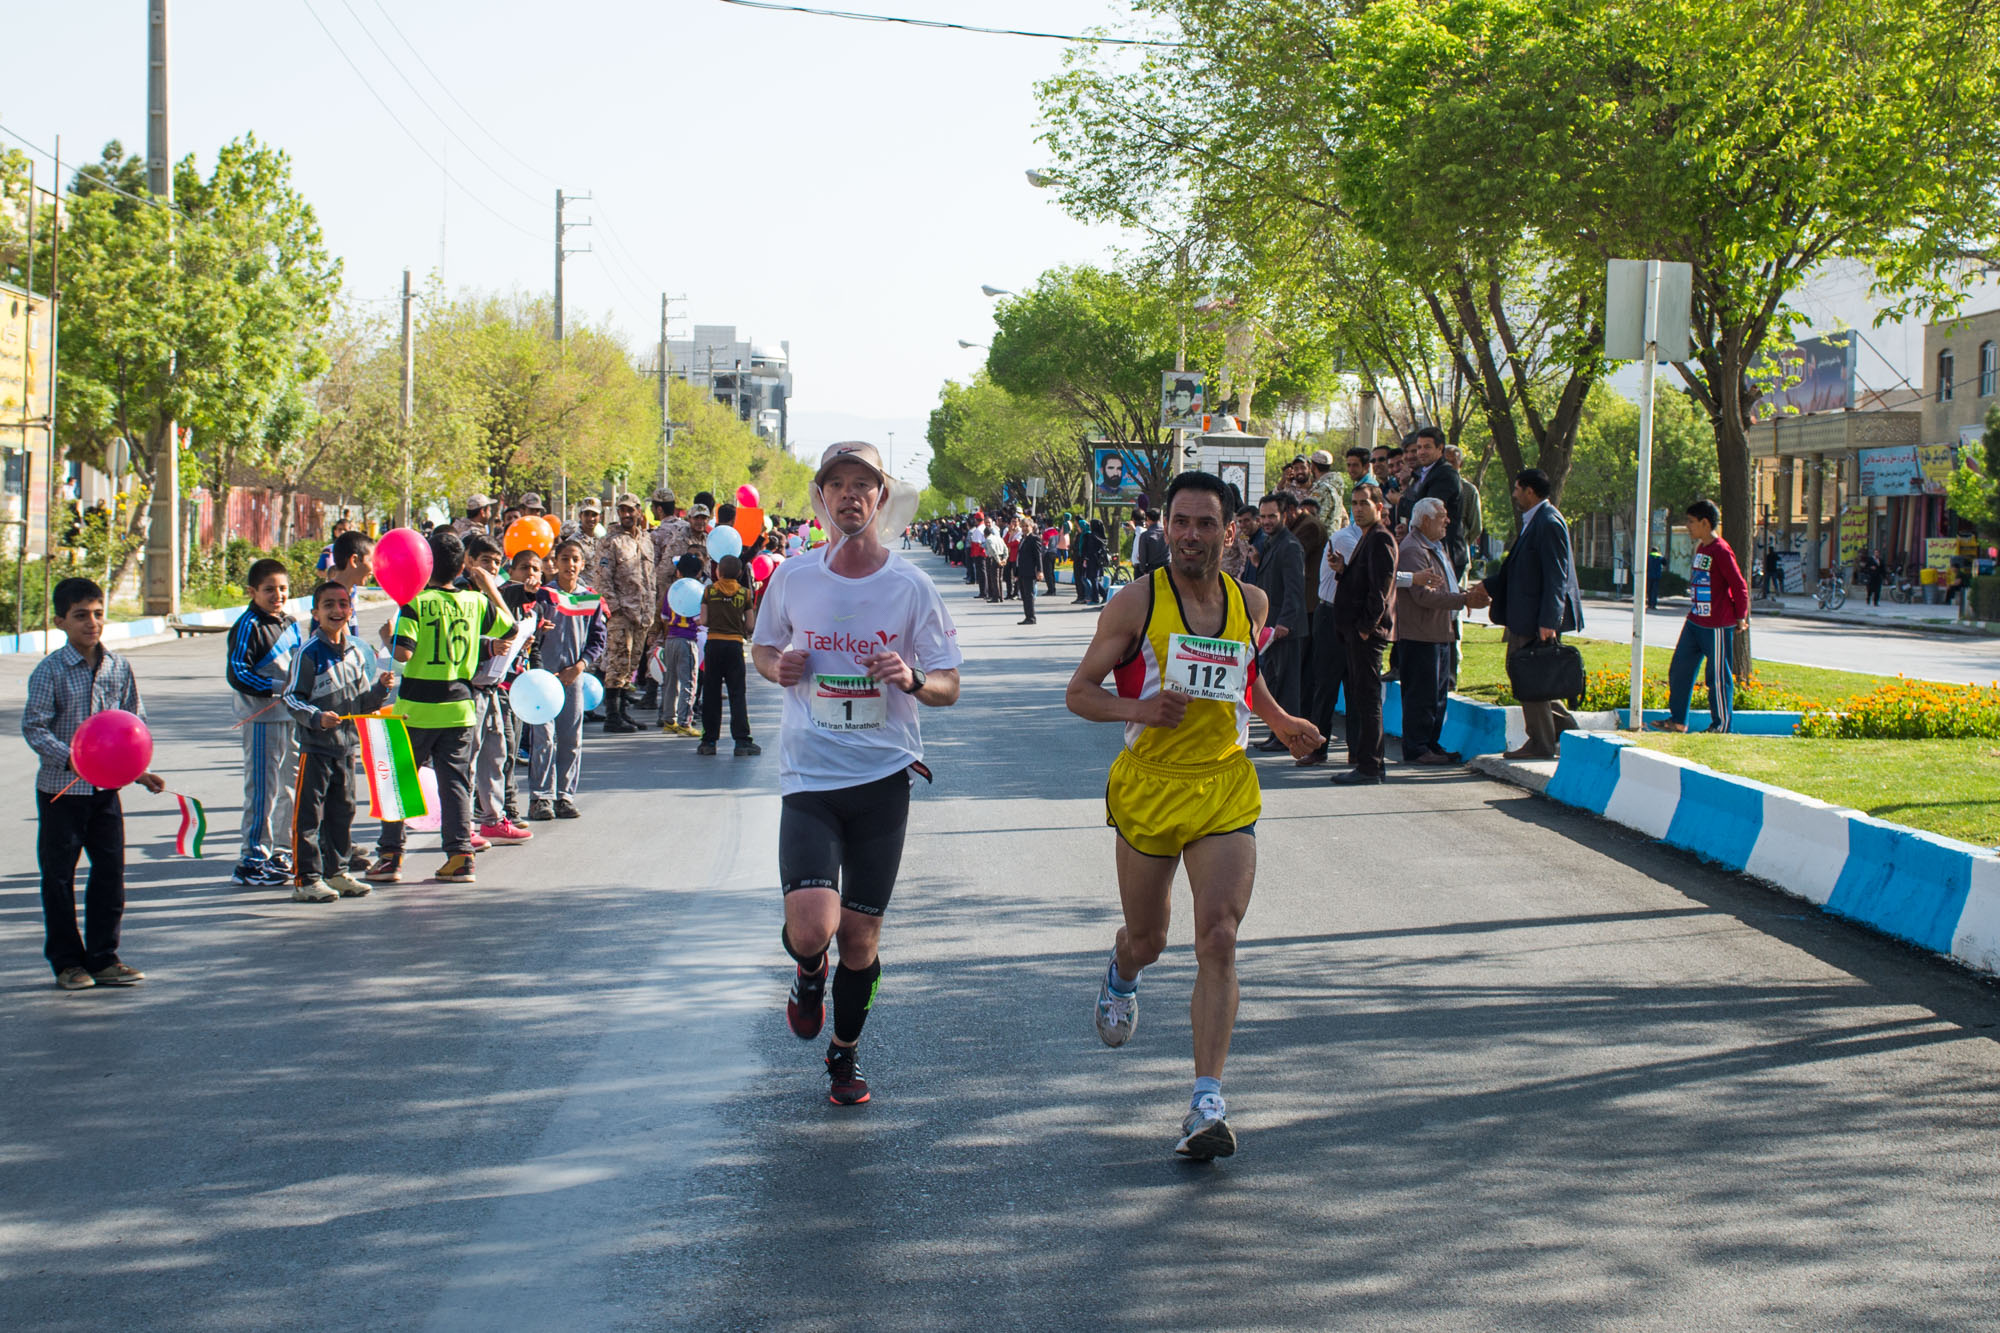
418, 94
618, 241
419, 143
940, 23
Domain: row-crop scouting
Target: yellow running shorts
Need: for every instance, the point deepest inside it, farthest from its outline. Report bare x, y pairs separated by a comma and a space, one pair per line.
1160, 808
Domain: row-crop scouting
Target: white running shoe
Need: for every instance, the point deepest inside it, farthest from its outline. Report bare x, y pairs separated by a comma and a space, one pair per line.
1205, 1133
1117, 1015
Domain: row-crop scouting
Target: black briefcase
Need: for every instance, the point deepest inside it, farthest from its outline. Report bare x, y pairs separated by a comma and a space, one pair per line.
1544, 670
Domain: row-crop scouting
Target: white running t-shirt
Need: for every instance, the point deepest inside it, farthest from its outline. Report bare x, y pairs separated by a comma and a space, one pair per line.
840, 729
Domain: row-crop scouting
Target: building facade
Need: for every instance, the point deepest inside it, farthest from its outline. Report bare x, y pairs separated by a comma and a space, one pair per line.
754, 378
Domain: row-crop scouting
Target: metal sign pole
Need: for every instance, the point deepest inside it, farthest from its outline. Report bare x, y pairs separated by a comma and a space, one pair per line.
1642, 524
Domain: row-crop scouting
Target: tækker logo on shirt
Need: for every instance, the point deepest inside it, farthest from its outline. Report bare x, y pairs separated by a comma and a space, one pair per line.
846, 643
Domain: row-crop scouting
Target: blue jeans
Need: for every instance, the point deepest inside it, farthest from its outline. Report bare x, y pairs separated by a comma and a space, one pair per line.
1718, 647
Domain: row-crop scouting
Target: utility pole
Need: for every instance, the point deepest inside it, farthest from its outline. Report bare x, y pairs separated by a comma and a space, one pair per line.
563, 229
163, 553
563, 252
409, 408
667, 423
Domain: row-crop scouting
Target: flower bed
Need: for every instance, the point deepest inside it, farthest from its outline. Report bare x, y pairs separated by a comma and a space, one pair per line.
1911, 710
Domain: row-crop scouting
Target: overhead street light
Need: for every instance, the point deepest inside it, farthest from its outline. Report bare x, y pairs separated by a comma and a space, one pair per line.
1043, 180
994, 291
963, 343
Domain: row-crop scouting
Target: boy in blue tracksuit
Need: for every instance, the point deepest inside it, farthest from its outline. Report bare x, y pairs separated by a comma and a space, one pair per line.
259, 660
332, 678
569, 644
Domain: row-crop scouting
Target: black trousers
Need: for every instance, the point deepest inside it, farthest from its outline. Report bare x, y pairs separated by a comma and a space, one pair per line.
1425, 667
1049, 572
1308, 677
322, 815
1329, 670
69, 827
449, 750
1007, 570
1279, 664
1027, 581
1364, 702
722, 665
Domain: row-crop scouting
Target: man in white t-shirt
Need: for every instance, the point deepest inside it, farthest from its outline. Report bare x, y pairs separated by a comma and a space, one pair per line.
858, 638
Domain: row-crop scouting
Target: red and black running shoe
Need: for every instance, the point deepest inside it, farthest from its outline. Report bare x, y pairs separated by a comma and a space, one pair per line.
805, 1011
846, 1086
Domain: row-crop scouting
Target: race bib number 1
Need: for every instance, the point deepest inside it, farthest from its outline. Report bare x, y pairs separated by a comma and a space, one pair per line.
1217, 669
848, 703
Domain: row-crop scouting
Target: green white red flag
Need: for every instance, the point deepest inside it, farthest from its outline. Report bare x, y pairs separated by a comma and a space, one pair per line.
194, 827
393, 790
582, 602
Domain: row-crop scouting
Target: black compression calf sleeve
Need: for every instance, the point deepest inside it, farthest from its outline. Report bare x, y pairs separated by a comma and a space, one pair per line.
853, 997
812, 965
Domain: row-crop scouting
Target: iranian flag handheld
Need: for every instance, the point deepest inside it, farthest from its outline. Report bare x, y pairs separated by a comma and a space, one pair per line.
582, 602
194, 827
393, 790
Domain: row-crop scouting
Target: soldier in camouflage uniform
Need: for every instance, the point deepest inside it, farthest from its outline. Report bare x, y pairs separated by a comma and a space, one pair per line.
626, 582
670, 534
476, 517
698, 523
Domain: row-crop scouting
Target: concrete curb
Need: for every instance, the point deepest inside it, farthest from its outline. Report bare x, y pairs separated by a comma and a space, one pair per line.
1934, 892
1473, 728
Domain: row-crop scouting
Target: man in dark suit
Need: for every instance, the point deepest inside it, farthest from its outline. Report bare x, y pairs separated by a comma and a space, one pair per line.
1281, 573
1438, 480
1535, 597
1028, 567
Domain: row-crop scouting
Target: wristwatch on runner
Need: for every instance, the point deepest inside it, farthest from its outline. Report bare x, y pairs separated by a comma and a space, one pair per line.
917, 679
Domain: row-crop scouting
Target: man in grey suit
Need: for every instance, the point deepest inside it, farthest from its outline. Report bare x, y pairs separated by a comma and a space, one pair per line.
1535, 597
1281, 573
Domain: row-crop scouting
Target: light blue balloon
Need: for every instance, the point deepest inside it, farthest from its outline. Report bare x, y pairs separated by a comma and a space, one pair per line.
592, 689
370, 659
724, 542
684, 597
537, 696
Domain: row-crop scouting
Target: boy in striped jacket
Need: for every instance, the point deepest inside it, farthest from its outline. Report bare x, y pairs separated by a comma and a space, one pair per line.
332, 679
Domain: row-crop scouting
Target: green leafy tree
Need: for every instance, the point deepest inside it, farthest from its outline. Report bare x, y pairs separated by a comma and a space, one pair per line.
1325, 123
199, 315
985, 440
1095, 345
1604, 474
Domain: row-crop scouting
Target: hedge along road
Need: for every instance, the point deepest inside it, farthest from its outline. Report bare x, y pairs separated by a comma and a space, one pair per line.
1498, 1065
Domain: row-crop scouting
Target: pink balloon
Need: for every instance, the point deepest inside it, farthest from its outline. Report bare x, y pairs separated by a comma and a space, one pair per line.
111, 748
761, 567
747, 497
402, 564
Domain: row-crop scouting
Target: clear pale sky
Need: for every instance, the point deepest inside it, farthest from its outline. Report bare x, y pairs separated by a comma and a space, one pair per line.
847, 186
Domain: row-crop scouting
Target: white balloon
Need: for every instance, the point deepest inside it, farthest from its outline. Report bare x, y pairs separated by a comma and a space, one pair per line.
537, 696
684, 597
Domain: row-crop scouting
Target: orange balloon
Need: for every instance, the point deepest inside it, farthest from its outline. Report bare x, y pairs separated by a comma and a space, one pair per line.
749, 522
529, 533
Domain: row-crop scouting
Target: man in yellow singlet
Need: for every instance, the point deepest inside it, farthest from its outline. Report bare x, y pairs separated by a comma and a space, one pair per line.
1181, 647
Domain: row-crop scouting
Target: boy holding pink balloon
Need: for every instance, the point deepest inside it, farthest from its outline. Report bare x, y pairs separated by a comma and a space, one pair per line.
69, 688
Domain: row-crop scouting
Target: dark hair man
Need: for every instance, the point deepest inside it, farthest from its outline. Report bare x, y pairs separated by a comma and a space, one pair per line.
1281, 574
1535, 598
1436, 479
1180, 644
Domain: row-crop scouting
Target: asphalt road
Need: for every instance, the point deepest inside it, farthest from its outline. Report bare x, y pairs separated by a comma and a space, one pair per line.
1499, 1065
1964, 659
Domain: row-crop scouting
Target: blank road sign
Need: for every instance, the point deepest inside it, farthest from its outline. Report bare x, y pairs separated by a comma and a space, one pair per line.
1625, 310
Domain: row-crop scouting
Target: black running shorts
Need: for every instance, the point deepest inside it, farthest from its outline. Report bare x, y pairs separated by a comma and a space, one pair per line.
850, 839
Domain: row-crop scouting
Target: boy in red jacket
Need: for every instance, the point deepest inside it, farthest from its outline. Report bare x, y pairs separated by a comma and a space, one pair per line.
1721, 606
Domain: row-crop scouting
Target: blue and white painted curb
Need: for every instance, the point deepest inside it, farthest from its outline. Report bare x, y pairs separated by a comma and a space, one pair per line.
1934, 892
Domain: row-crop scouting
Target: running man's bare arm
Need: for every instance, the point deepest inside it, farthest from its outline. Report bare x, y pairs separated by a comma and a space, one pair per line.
1119, 626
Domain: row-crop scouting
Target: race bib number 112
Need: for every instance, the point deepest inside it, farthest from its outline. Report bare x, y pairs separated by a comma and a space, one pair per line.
1217, 669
